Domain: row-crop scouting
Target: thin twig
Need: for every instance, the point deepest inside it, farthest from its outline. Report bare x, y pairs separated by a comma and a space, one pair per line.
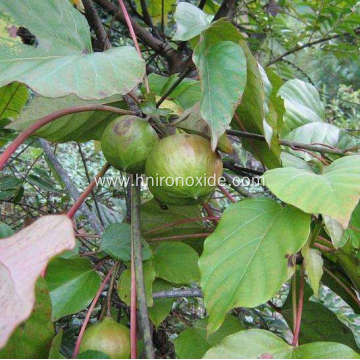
226, 193
88, 314
87, 191
180, 237
89, 181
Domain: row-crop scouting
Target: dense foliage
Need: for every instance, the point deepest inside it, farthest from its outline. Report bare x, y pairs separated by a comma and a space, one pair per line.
105, 96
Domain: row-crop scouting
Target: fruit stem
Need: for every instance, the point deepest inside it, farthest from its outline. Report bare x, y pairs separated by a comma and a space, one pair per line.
49, 118
88, 314
87, 191
137, 268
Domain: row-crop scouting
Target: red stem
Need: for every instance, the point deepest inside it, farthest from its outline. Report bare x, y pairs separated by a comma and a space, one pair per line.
87, 192
210, 212
88, 314
323, 247
49, 118
180, 237
181, 222
227, 194
133, 339
133, 36
300, 308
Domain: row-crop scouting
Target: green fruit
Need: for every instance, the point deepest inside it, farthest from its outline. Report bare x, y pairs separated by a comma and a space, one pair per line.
109, 337
181, 158
126, 143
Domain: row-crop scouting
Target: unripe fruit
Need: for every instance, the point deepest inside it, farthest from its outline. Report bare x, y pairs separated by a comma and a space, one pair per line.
126, 143
109, 337
176, 164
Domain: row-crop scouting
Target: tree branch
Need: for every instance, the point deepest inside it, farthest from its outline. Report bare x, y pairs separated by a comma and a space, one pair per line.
309, 44
138, 264
226, 9
292, 144
175, 293
95, 23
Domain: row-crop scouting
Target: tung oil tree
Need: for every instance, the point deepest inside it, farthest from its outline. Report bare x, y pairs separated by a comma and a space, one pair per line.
180, 90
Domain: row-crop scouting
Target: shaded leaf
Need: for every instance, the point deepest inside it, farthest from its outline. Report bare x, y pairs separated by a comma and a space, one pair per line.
194, 342
32, 339
23, 256
116, 241
72, 283
176, 262
244, 262
77, 127
313, 263
161, 306
54, 352
124, 283
12, 99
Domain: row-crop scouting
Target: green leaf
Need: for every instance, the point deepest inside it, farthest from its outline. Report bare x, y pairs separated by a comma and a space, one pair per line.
72, 283
32, 339
176, 262
54, 352
244, 262
93, 354
161, 306
154, 220
302, 104
124, 284
156, 8
62, 64
12, 99
5, 230
186, 94
193, 342
251, 114
335, 193
222, 71
116, 241
256, 343
313, 262
352, 234
79, 127
190, 21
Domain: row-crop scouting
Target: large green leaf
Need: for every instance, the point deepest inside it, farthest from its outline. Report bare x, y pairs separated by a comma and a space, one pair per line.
116, 241
302, 104
75, 127
222, 71
193, 342
244, 262
32, 339
257, 343
176, 262
62, 62
72, 283
335, 192
190, 21
12, 99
